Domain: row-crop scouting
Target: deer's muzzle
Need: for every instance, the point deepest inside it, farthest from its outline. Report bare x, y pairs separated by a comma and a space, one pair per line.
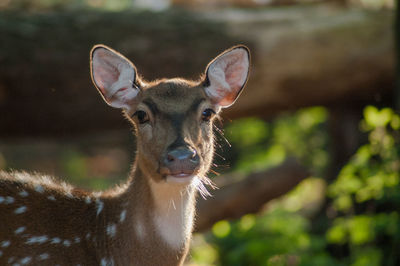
181, 161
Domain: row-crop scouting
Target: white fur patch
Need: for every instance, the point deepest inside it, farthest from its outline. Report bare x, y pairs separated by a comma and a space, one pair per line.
99, 206
88, 200
25, 260
5, 244
51, 197
122, 216
39, 188
67, 243
9, 200
174, 210
55, 240
107, 262
43, 256
37, 240
23, 193
111, 230
20, 230
20, 210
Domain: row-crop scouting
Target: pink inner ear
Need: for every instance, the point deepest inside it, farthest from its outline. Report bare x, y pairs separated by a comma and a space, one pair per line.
105, 74
227, 75
234, 74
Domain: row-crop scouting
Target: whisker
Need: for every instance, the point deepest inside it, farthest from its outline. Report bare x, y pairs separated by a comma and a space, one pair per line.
220, 156
214, 172
221, 135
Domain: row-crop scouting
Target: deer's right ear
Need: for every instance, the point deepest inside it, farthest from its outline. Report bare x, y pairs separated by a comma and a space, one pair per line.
114, 76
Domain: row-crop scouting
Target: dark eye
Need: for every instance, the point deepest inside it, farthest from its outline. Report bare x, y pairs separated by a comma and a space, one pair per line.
207, 114
142, 116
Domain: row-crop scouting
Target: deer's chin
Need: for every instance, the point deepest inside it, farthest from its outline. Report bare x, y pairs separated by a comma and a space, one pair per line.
180, 179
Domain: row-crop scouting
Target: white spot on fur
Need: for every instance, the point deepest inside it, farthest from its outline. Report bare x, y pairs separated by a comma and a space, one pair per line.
67, 243
107, 262
111, 230
55, 240
51, 197
9, 200
77, 239
1, 253
20, 210
122, 216
39, 188
23, 194
10, 260
43, 256
99, 206
25, 260
1, 199
88, 200
37, 240
87, 236
19, 230
5, 244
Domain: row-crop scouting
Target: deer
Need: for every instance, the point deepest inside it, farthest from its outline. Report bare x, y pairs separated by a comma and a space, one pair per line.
148, 219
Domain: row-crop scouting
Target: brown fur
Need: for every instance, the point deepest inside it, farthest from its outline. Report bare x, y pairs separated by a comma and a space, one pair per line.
67, 218
47, 222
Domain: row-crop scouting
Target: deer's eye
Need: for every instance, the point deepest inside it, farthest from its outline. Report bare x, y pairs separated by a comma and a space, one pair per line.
142, 116
207, 114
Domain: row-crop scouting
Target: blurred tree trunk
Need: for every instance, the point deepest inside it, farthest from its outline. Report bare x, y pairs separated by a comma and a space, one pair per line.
301, 56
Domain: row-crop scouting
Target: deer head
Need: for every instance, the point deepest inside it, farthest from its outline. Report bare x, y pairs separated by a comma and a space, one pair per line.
173, 118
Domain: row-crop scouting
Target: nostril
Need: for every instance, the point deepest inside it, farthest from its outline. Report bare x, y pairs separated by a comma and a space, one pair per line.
170, 157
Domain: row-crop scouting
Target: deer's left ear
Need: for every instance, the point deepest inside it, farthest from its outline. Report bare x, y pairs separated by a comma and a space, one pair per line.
227, 74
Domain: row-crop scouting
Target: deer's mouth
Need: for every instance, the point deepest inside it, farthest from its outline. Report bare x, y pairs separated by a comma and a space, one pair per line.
180, 178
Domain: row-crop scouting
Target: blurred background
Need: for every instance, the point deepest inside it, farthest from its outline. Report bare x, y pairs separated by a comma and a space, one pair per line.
308, 158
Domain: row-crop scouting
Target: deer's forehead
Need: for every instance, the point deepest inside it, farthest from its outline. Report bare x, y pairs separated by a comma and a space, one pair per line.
172, 98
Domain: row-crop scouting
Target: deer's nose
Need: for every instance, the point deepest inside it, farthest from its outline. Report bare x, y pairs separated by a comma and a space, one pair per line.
182, 161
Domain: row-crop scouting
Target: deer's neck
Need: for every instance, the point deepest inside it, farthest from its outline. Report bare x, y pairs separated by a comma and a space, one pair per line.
173, 212
159, 214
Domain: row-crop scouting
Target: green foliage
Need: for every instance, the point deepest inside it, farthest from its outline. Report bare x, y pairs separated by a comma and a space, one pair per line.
363, 223
366, 194
278, 237
262, 145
